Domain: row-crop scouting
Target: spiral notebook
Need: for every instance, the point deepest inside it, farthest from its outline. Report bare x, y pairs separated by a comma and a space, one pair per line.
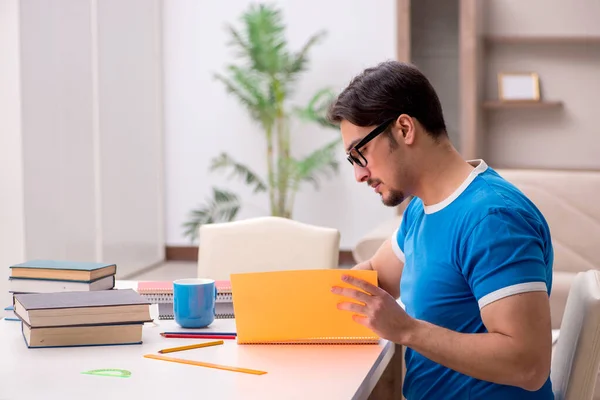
296, 307
161, 293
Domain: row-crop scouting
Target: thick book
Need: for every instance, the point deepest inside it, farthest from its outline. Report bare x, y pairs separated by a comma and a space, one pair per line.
75, 336
82, 308
30, 285
63, 270
296, 307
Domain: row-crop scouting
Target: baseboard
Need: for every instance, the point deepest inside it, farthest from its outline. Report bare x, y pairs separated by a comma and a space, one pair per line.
190, 253
181, 253
346, 257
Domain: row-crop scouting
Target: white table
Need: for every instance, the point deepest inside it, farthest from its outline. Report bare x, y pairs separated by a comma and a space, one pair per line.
293, 371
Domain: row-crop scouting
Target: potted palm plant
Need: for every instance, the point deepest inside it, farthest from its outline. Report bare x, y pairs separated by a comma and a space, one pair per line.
262, 81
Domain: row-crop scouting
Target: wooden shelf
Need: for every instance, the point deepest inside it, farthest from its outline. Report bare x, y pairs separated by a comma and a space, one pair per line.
493, 39
497, 104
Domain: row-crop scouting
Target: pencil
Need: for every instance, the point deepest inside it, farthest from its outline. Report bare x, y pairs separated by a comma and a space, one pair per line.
199, 333
175, 335
191, 346
205, 364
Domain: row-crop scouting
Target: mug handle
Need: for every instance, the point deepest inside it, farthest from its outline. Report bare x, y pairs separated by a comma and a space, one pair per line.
215, 303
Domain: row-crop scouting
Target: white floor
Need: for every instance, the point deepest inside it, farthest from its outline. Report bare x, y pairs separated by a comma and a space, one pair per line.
172, 270
167, 271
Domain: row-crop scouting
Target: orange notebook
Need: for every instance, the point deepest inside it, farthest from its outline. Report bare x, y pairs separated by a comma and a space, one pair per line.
285, 307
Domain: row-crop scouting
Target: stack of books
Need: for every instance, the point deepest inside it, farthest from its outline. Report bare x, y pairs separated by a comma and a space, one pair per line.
49, 276
161, 293
84, 318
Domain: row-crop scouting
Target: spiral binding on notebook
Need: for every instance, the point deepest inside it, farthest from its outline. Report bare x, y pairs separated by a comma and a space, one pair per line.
168, 298
157, 298
331, 340
218, 316
224, 297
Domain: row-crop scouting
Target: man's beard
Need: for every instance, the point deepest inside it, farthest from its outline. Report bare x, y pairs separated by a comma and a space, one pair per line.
393, 198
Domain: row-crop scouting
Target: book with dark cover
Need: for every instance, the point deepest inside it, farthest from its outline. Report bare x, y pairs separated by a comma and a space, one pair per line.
82, 308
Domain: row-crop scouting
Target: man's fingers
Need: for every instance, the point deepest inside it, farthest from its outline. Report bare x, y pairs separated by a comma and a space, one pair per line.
354, 307
360, 311
361, 319
364, 285
352, 293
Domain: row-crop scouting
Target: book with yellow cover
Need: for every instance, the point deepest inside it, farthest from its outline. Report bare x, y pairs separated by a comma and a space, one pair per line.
296, 307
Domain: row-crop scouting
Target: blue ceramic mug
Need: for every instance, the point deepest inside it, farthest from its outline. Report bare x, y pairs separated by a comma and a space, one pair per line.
194, 302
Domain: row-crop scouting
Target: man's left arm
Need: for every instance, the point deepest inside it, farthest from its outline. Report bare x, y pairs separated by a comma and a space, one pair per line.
503, 262
515, 351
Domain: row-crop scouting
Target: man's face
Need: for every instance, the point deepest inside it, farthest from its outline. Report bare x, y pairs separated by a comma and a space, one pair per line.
384, 170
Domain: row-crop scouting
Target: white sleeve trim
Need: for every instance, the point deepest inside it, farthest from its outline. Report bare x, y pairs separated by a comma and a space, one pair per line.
512, 290
397, 251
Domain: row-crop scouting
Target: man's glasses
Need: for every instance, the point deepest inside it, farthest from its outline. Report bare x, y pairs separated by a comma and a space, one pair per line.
355, 156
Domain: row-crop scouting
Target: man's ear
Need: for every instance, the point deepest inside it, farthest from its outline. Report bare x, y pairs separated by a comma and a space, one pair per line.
406, 128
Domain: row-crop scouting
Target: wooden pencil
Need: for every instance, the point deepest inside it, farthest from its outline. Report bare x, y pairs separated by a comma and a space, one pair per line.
205, 364
191, 346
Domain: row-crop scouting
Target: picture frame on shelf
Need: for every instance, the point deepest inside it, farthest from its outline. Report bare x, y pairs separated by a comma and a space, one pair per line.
519, 86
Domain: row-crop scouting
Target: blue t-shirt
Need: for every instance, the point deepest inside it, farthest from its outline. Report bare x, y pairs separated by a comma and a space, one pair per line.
484, 242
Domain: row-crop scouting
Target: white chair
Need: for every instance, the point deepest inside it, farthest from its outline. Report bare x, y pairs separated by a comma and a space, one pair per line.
265, 244
576, 355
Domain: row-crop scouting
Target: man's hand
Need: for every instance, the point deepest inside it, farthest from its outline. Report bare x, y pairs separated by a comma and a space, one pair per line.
388, 267
377, 308
515, 350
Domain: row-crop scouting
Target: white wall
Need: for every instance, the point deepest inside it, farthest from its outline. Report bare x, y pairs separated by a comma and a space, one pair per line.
81, 132
12, 239
201, 120
58, 155
565, 137
130, 132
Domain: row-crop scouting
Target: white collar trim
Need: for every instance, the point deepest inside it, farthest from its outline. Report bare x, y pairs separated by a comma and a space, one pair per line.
480, 166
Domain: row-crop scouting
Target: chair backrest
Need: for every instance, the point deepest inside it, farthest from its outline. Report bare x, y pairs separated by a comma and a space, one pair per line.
577, 354
265, 244
573, 220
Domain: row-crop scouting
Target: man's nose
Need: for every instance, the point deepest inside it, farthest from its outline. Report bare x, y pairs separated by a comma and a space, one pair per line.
361, 174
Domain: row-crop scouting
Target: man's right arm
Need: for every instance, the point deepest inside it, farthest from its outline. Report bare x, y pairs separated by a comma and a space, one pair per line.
388, 266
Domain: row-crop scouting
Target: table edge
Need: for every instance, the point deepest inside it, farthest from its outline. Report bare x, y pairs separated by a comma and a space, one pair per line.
375, 373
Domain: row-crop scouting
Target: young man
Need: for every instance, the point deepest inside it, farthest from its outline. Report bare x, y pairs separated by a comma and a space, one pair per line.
471, 260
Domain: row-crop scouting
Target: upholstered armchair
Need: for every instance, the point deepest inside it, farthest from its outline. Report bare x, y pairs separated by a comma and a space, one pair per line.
265, 244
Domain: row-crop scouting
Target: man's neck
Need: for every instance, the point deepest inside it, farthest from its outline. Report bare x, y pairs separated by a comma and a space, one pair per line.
445, 171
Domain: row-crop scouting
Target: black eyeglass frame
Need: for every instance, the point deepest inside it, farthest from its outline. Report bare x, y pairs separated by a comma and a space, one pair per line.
356, 158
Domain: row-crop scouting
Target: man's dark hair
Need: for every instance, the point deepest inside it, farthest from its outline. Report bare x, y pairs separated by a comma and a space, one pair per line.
385, 91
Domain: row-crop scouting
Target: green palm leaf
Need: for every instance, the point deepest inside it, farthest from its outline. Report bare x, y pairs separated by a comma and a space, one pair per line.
265, 35
222, 207
299, 61
263, 77
319, 163
316, 109
243, 97
224, 161
238, 41
252, 91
